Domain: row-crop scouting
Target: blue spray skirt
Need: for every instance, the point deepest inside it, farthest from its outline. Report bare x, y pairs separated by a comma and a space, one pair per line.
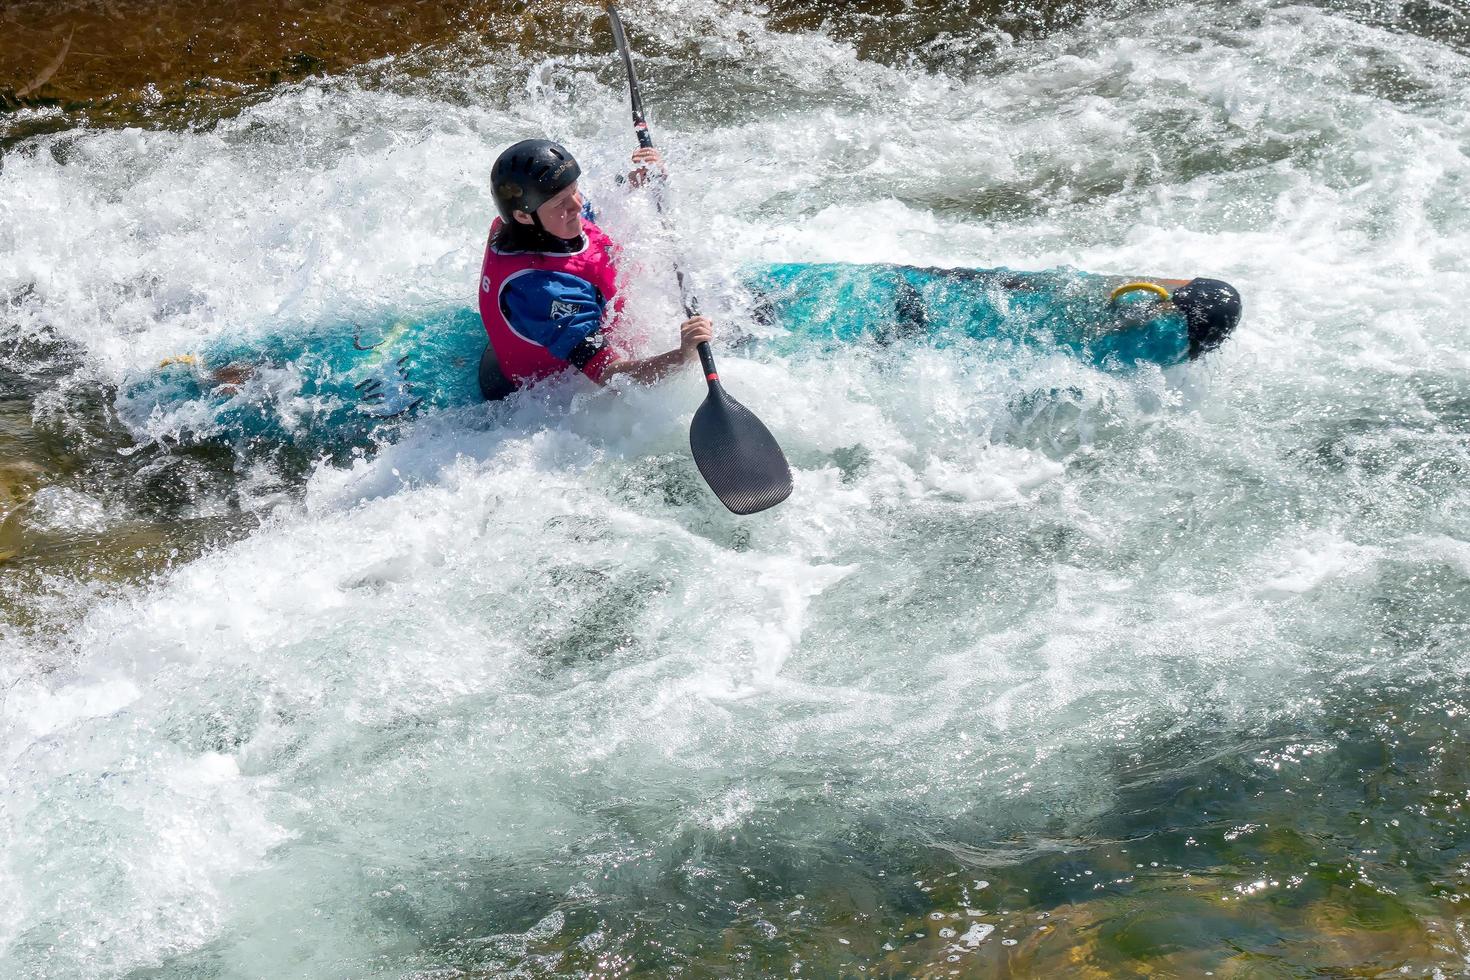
341, 382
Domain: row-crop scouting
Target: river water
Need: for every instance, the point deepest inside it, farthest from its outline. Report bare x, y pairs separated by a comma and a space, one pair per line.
1041, 669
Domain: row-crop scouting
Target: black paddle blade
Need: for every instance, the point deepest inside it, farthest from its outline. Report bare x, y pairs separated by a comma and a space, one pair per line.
737, 455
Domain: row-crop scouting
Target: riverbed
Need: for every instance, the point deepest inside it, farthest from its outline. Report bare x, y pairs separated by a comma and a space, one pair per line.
1042, 670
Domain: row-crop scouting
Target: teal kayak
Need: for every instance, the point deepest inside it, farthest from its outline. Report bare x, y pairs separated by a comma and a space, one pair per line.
336, 382
341, 382
1111, 321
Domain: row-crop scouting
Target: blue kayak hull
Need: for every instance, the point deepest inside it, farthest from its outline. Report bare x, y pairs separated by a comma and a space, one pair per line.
340, 382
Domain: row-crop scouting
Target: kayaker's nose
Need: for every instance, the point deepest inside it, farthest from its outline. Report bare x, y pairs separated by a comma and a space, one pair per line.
1212, 309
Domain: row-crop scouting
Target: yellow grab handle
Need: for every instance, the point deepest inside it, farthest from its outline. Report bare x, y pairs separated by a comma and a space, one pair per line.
178, 359
1138, 287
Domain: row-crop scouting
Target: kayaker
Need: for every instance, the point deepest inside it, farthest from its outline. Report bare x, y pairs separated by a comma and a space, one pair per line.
548, 285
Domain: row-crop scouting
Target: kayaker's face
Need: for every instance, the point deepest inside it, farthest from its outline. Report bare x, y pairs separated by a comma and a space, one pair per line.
561, 216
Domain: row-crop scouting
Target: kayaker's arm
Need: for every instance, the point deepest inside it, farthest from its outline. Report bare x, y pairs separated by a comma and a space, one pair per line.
692, 332
648, 370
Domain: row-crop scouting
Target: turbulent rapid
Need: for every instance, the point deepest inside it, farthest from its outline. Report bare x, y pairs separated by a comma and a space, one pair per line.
1042, 667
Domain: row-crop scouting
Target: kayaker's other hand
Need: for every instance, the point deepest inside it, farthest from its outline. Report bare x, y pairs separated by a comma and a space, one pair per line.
232, 376
695, 331
645, 157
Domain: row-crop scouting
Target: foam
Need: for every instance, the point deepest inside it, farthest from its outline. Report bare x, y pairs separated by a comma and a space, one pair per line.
524, 638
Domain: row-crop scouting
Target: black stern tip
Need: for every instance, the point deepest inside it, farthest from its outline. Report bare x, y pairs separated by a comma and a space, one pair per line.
1211, 307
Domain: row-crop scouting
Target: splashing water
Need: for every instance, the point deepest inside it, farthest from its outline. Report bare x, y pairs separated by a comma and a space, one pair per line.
1171, 661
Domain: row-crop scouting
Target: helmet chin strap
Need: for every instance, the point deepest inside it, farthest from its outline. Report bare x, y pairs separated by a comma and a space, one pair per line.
546, 237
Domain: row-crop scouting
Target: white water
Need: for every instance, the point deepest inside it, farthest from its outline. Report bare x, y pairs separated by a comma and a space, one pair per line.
521, 666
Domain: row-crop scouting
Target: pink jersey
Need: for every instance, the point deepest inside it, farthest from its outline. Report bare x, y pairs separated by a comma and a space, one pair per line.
547, 311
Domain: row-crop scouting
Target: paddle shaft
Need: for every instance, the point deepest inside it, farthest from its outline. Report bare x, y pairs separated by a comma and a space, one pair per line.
735, 452
645, 140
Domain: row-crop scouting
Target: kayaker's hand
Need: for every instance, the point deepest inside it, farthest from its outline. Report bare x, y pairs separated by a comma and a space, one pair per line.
645, 157
693, 332
232, 376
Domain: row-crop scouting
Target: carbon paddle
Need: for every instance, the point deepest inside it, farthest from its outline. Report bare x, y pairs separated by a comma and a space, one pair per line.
735, 452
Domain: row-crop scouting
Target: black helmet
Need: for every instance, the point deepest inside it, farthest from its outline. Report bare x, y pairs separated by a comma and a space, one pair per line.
529, 174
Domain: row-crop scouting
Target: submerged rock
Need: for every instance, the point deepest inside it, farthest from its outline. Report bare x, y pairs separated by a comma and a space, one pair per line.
19, 480
133, 63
